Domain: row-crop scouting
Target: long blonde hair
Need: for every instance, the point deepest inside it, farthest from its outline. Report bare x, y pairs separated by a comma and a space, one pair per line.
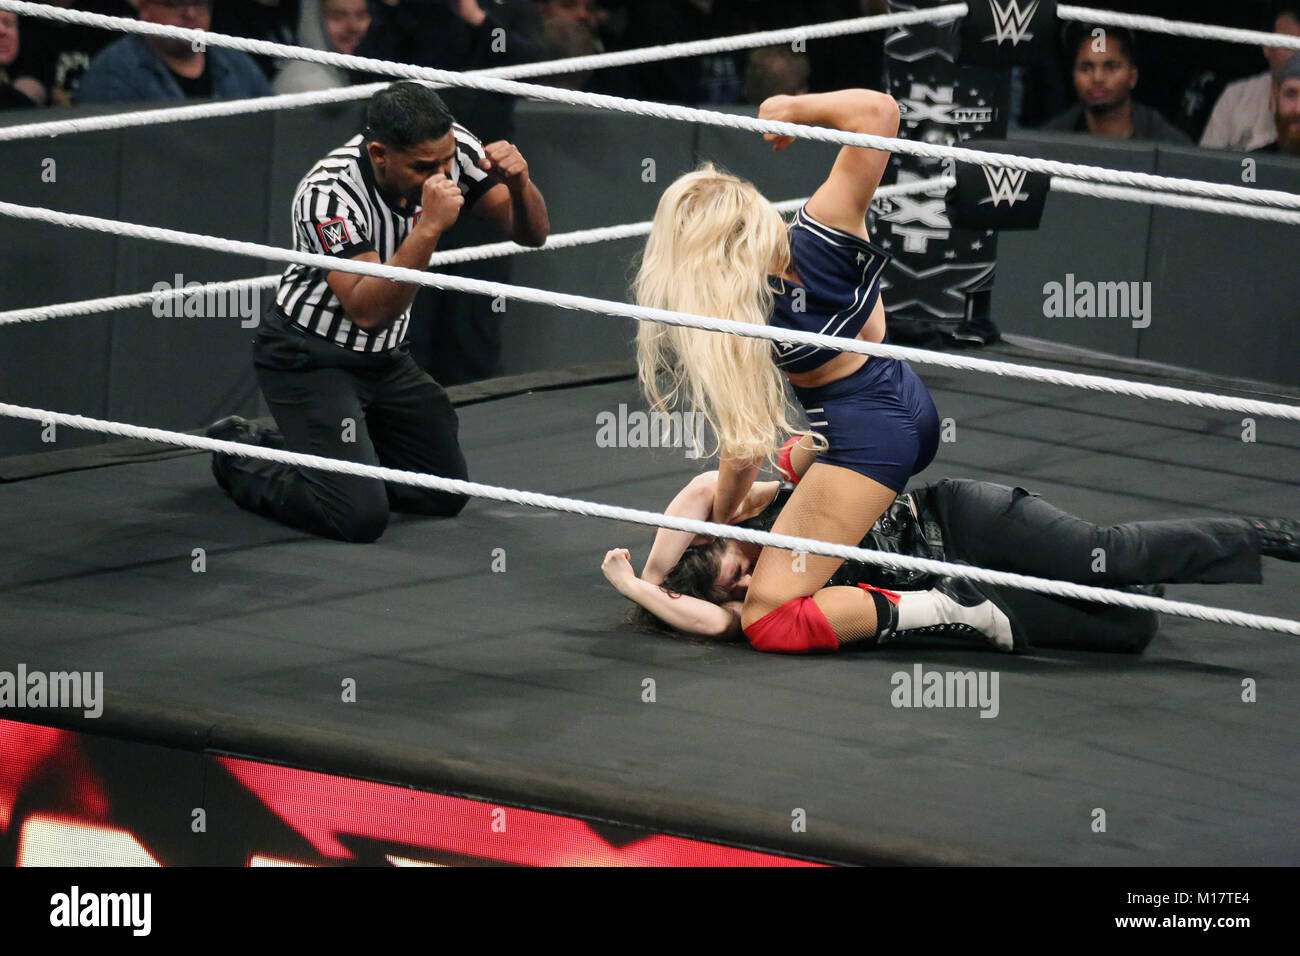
714, 242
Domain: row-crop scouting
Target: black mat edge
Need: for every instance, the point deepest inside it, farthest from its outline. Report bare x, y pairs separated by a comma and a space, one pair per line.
310, 748
133, 451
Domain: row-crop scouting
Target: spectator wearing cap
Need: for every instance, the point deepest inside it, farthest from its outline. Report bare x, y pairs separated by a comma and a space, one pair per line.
1243, 117
1105, 73
1285, 103
162, 68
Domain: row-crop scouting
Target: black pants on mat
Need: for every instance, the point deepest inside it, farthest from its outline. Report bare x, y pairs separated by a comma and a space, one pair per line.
372, 408
1011, 529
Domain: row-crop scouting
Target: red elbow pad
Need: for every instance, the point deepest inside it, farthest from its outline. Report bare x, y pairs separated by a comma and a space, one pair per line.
796, 627
783, 463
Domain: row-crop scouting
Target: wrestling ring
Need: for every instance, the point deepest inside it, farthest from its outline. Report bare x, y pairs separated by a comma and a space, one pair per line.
489, 658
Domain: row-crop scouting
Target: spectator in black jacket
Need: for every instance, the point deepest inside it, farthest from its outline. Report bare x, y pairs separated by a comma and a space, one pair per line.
17, 90
458, 35
58, 54
1105, 73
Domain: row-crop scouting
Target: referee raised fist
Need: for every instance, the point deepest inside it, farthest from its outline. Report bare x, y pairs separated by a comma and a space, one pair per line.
504, 161
440, 201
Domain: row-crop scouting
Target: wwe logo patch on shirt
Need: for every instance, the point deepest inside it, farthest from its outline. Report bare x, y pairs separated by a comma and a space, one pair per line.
334, 235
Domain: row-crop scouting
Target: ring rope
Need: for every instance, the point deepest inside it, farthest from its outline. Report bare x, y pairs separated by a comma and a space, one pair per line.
518, 71
740, 41
681, 113
1177, 28
582, 237
1174, 200
490, 250
642, 313
636, 516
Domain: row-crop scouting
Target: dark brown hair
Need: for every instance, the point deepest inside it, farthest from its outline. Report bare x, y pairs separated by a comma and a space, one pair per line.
695, 575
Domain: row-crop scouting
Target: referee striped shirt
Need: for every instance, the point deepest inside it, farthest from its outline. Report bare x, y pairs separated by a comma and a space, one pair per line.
339, 211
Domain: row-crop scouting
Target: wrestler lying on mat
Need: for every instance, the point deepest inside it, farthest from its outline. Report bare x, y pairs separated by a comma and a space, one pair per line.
697, 586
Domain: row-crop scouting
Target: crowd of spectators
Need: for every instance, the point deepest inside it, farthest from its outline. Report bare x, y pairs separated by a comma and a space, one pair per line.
1222, 95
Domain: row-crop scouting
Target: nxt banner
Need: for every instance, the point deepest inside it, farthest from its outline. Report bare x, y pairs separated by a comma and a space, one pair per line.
940, 279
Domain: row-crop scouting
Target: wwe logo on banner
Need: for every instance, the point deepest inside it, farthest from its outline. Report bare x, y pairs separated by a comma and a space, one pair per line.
1010, 22
1004, 185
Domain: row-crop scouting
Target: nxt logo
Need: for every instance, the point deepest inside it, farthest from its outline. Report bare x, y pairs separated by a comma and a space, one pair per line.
925, 103
1010, 22
1004, 185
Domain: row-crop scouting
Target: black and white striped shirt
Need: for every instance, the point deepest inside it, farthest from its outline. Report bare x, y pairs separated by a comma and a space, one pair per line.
338, 211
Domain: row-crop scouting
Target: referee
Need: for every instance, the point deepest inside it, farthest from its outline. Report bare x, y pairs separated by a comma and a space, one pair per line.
332, 359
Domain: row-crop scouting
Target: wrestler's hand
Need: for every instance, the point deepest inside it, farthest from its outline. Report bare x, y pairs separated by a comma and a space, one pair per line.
617, 568
440, 203
779, 109
504, 162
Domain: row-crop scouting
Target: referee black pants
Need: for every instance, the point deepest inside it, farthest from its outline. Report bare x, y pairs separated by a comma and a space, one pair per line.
1010, 529
372, 408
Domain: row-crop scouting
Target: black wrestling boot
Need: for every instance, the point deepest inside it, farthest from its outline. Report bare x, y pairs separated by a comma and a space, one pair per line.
953, 607
1278, 537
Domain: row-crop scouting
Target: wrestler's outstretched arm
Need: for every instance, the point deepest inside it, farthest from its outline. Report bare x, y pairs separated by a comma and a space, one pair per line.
681, 611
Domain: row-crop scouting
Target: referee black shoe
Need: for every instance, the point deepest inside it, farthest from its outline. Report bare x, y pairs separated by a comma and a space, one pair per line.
234, 428
1278, 537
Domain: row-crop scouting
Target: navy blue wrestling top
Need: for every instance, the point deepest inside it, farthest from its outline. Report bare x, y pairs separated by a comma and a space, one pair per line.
841, 285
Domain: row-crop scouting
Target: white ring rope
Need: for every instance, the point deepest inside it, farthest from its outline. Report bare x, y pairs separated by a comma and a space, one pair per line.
1177, 28
490, 250
741, 41
663, 111
642, 313
132, 300
635, 516
181, 114
583, 237
1174, 200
